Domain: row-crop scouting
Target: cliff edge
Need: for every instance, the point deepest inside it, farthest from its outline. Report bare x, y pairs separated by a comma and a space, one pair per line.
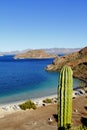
77, 61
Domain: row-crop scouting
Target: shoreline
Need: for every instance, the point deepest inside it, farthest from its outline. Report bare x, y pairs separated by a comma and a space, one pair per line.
33, 99
12, 107
9, 108
39, 118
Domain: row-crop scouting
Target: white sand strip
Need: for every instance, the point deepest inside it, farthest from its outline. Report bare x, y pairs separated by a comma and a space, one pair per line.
9, 108
14, 106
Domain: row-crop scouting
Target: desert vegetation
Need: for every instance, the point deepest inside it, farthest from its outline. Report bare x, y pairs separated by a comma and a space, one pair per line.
27, 105
65, 98
47, 100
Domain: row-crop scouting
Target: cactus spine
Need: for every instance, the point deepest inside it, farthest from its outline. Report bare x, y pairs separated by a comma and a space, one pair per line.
65, 97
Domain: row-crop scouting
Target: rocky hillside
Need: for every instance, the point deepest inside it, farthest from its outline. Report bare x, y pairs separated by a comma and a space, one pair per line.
77, 61
34, 54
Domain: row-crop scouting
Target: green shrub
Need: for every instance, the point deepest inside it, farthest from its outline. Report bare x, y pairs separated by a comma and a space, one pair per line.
27, 105
47, 100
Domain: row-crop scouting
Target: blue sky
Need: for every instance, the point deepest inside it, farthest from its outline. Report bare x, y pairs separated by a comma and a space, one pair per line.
39, 24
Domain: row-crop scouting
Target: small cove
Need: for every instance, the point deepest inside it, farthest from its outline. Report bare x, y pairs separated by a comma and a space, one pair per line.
26, 78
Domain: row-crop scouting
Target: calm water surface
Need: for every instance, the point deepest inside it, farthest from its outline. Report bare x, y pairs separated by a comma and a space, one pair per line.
26, 78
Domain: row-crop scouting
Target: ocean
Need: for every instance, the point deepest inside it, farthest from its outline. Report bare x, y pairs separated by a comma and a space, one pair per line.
26, 79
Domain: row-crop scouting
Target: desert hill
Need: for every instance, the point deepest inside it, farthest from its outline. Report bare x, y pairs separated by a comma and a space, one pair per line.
77, 61
35, 54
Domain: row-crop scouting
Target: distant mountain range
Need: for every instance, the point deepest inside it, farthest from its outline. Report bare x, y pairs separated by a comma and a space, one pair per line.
14, 52
59, 51
56, 51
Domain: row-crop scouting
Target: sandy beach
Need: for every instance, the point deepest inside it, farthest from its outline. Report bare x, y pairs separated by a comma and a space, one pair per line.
6, 109
17, 119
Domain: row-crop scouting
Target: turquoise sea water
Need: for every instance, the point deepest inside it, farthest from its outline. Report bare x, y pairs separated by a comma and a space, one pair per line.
26, 78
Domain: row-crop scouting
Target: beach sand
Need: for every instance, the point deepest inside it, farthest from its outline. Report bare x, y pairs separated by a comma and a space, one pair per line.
17, 119
39, 119
6, 109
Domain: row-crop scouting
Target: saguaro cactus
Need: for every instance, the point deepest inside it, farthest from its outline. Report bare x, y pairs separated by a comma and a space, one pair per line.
65, 97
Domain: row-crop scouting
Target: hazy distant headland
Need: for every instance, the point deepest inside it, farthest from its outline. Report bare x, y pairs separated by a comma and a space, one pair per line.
35, 54
1, 54
44, 53
56, 51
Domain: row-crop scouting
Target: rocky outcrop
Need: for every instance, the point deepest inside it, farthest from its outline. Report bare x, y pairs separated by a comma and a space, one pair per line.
35, 54
77, 61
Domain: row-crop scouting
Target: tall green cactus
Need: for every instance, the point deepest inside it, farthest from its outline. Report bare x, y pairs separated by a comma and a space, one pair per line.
65, 97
